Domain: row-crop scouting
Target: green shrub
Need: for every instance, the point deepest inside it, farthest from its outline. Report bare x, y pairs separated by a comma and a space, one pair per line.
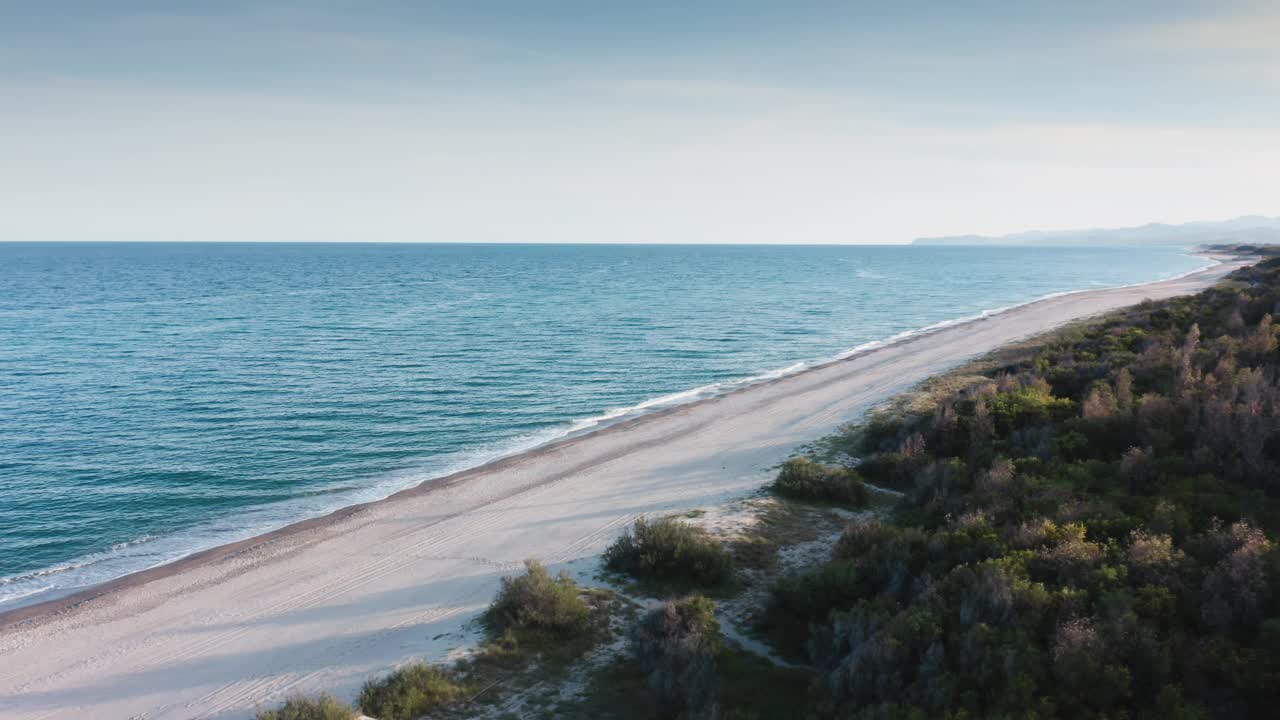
1089, 532
889, 470
676, 646
802, 599
409, 693
323, 707
804, 479
537, 601
669, 551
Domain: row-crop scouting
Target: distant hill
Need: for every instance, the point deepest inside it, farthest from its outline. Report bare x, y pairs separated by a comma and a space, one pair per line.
1245, 229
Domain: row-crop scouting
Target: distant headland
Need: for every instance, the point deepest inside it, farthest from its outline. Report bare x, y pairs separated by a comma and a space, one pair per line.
1244, 229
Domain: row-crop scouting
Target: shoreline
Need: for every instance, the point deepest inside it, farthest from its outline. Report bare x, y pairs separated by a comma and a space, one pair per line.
694, 452
578, 428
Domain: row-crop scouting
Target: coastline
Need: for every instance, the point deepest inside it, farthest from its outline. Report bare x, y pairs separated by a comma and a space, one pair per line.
744, 431
572, 429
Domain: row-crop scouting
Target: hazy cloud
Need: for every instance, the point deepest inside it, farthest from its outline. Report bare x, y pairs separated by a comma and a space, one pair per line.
489, 122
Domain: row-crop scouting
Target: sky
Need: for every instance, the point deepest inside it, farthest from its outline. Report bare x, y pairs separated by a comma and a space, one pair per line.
699, 122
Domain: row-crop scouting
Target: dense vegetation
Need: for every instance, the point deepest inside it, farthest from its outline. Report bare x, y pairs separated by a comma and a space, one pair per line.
410, 692
1087, 531
804, 479
537, 602
676, 646
323, 707
670, 553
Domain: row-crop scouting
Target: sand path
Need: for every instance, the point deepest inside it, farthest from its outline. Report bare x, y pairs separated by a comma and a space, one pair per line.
327, 603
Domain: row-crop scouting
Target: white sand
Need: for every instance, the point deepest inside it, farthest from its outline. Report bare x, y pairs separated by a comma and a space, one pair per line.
331, 603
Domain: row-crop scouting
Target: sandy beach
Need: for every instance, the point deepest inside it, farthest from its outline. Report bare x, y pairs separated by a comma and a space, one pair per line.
327, 603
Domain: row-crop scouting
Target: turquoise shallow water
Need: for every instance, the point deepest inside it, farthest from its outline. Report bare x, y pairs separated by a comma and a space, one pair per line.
156, 399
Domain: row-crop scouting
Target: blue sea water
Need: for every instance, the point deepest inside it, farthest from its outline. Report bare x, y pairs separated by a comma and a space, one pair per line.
157, 399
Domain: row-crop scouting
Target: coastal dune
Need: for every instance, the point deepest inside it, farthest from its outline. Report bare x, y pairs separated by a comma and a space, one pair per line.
330, 602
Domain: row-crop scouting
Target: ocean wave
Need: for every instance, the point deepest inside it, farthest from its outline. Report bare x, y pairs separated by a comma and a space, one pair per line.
148, 551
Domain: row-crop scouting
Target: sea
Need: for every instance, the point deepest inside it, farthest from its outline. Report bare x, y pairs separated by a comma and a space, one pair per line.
157, 399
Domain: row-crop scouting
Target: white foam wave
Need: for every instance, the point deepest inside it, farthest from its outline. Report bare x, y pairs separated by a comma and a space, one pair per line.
717, 388
150, 551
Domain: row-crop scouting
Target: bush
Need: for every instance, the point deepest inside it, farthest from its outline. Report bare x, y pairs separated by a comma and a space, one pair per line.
1089, 532
676, 646
323, 707
670, 551
803, 479
890, 470
408, 693
537, 601
803, 599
